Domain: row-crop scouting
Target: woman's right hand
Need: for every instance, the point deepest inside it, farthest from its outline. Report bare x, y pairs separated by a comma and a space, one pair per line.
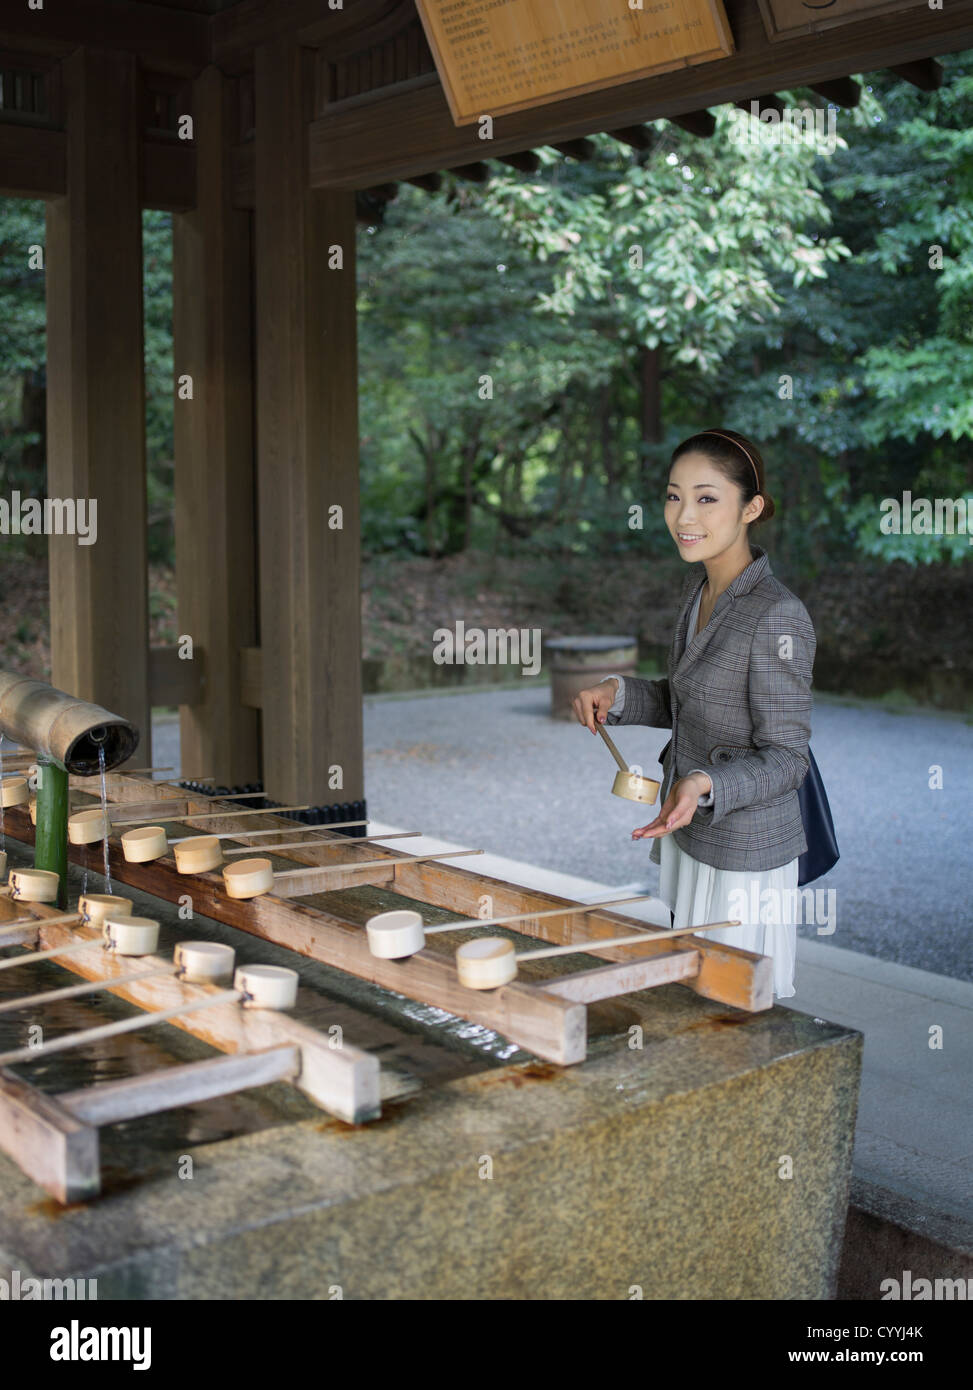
595, 702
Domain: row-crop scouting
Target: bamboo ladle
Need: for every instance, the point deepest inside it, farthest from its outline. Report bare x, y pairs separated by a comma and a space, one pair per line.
249, 878
254, 987
197, 962
401, 932
490, 961
627, 784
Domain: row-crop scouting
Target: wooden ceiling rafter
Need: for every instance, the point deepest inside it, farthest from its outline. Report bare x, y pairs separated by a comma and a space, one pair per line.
768, 102
840, 91
581, 150
926, 74
699, 123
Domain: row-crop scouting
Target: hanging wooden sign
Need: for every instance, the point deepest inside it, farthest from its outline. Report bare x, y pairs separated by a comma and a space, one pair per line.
785, 19
498, 56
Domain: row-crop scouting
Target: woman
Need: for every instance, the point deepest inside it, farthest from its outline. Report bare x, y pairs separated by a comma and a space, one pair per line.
738, 700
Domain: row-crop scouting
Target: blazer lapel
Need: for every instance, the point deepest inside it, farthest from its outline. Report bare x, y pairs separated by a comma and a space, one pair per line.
687, 648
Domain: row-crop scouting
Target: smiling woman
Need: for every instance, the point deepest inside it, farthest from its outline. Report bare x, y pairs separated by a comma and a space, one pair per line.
738, 701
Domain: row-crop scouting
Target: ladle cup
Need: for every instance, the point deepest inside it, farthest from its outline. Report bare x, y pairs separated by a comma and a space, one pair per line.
627, 784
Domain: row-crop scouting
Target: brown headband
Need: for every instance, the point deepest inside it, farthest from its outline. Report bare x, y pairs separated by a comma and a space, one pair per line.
742, 450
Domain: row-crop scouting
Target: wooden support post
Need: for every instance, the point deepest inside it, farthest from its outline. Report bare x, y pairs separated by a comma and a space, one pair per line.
307, 453
96, 394
59, 1151
214, 476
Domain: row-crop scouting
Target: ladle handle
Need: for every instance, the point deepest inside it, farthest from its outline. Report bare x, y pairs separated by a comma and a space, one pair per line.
636, 939
615, 753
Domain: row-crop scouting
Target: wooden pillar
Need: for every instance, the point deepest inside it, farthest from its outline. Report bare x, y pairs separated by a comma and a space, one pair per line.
307, 453
96, 394
214, 473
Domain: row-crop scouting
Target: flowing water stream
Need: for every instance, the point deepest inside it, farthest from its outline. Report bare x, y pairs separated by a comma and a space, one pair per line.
104, 812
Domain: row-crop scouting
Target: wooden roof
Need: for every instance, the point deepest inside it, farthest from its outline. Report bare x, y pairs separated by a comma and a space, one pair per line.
379, 114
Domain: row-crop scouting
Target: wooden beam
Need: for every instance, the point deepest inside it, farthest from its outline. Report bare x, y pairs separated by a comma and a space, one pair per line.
639, 137
400, 136
57, 1150
576, 149
430, 182
383, 192
244, 165
173, 681
699, 123
307, 454
168, 175
251, 677
607, 981
109, 1102
177, 39
841, 91
526, 162
236, 32
33, 164
768, 102
96, 394
33, 161
214, 452
473, 173
926, 74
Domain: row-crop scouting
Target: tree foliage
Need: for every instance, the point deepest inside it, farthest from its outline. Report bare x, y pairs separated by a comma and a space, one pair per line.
532, 348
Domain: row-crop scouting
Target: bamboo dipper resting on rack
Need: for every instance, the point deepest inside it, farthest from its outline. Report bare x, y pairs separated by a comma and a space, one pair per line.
490, 961
401, 932
203, 962
248, 878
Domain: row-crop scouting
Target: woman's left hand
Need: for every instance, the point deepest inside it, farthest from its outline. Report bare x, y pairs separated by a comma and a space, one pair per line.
677, 810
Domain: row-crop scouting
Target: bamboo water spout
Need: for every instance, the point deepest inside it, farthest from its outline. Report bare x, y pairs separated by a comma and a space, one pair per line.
62, 728
67, 735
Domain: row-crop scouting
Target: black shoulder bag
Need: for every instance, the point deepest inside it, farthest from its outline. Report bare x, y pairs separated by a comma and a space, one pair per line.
822, 853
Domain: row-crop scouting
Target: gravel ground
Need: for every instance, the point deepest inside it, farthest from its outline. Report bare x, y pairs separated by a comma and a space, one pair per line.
491, 769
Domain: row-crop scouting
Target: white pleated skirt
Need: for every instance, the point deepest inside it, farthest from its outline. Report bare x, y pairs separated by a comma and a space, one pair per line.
698, 893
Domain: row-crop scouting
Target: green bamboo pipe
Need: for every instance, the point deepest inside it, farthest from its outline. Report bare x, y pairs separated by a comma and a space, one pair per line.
51, 840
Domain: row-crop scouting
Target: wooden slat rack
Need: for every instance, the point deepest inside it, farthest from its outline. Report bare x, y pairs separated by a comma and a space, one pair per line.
54, 1138
541, 1012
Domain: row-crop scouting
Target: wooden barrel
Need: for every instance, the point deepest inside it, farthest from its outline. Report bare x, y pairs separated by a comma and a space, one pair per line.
577, 662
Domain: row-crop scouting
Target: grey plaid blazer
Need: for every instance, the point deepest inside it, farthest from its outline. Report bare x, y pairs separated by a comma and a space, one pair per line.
738, 700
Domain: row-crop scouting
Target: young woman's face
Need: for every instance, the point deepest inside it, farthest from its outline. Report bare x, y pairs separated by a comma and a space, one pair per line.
704, 511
